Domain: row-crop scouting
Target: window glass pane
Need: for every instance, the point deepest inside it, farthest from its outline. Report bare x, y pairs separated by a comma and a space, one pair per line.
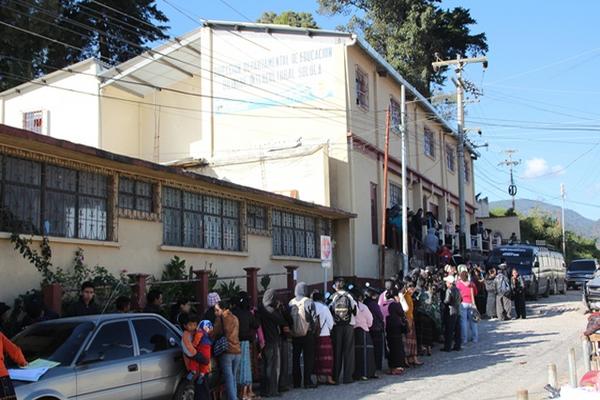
92, 184
309, 224
192, 229
231, 234
113, 342
288, 241
171, 197
23, 171
92, 218
143, 204
212, 232
276, 218
230, 208
311, 250
192, 201
153, 336
300, 244
61, 178
212, 205
287, 220
277, 241
126, 185
126, 201
143, 189
22, 206
59, 212
298, 222
172, 227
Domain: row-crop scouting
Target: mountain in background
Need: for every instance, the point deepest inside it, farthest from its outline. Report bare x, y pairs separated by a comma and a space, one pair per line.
574, 221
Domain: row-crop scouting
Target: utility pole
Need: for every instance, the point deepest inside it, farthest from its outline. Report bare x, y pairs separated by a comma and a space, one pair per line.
404, 182
459, 65
563, 195
510, 163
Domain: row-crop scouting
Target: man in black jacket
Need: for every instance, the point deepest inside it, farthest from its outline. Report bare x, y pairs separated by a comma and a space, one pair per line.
86, 304
452, 300
271, 321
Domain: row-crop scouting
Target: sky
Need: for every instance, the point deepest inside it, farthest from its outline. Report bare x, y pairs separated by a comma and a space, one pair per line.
540, 92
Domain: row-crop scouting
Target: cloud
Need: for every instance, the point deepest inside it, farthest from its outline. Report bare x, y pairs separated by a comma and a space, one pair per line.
539, 168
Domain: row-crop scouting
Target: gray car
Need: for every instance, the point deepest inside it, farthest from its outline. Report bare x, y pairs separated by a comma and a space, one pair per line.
113, 357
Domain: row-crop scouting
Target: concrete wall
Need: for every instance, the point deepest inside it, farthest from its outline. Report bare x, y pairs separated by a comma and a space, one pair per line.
138, 250
70, 102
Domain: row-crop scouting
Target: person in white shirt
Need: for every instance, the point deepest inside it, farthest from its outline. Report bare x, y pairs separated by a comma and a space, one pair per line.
324, 353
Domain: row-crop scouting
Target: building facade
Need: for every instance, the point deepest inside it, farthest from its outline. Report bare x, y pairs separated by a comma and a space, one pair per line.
134, 215
294, 111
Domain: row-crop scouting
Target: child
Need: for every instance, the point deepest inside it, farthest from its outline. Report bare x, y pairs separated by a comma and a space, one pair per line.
196, 344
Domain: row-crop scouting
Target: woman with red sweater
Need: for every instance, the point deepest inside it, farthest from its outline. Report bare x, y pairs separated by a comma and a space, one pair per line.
8, 348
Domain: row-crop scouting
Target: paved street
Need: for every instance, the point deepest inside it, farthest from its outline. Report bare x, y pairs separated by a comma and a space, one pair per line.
511, 355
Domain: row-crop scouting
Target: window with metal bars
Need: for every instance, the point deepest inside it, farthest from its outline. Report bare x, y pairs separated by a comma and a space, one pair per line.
34, 121
450, 159
429, 143
136, 195
395, 195
257, 217
362, 88
200, 221
296, 235
395, 116
41, 198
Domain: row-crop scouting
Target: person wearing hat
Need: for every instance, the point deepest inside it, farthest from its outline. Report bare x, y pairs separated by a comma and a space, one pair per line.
212, 300
452, 300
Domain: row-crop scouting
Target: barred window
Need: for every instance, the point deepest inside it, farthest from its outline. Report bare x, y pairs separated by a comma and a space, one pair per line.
257, 217
362, 88
201, 221
136, 195
294, 235
467, 171
429, 143
46, 199
395, 195
450, 158
34, 121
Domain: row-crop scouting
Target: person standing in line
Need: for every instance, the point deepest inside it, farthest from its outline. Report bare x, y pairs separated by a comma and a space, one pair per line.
227, 325
154, 300
212, 300
284, 347
324, 353
123, 305
343, 307
468, 291
490, 287
302, 310
86, 305
364, 357
181, 307
377, 329
395, 326
518, 293
410, 338
452, 300
271, 321
248, 326
503, 301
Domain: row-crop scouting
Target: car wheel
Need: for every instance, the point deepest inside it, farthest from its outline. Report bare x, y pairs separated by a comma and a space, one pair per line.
536, 288
555, 287
564, 287
185, 391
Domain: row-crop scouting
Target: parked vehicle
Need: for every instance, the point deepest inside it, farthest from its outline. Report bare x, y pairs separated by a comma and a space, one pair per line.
591, 293
542, 269
581, 271
114, 356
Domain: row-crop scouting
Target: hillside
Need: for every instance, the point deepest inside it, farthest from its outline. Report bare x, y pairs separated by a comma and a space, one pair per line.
574, 221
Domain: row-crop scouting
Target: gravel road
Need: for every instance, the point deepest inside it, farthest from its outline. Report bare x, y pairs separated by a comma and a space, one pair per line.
510, 355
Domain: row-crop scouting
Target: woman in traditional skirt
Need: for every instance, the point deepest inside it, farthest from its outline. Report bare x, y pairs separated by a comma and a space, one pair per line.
395, 325
425, 325
410, 338
364, 361
324, 349
8, 348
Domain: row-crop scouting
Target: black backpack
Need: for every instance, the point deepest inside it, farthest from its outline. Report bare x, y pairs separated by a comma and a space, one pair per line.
342, 309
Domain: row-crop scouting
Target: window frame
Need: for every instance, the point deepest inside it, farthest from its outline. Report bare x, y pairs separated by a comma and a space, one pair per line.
46, 190
158, 321
89, 343
42, 129
361, 83
395, 115
203, 215
397, 191
279, 236
429, 143
450, 158
251, 219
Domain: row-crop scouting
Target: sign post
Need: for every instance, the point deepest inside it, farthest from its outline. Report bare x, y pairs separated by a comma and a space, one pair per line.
326, 259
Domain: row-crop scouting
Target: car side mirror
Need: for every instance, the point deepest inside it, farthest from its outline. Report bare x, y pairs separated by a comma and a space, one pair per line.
90, 358
536, 264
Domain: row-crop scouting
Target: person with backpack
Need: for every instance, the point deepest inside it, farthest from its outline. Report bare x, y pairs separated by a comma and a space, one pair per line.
304, 316
343, 307
324, 353
503, 294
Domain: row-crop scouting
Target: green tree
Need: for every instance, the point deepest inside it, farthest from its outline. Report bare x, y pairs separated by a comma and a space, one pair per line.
410, 33
291, 18
112, 31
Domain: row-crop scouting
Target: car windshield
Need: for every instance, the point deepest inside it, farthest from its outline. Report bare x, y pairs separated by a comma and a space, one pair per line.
56, 341
583, 265
519, 258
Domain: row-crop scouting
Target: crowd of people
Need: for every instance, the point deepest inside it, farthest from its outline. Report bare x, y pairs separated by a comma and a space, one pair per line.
316, 338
